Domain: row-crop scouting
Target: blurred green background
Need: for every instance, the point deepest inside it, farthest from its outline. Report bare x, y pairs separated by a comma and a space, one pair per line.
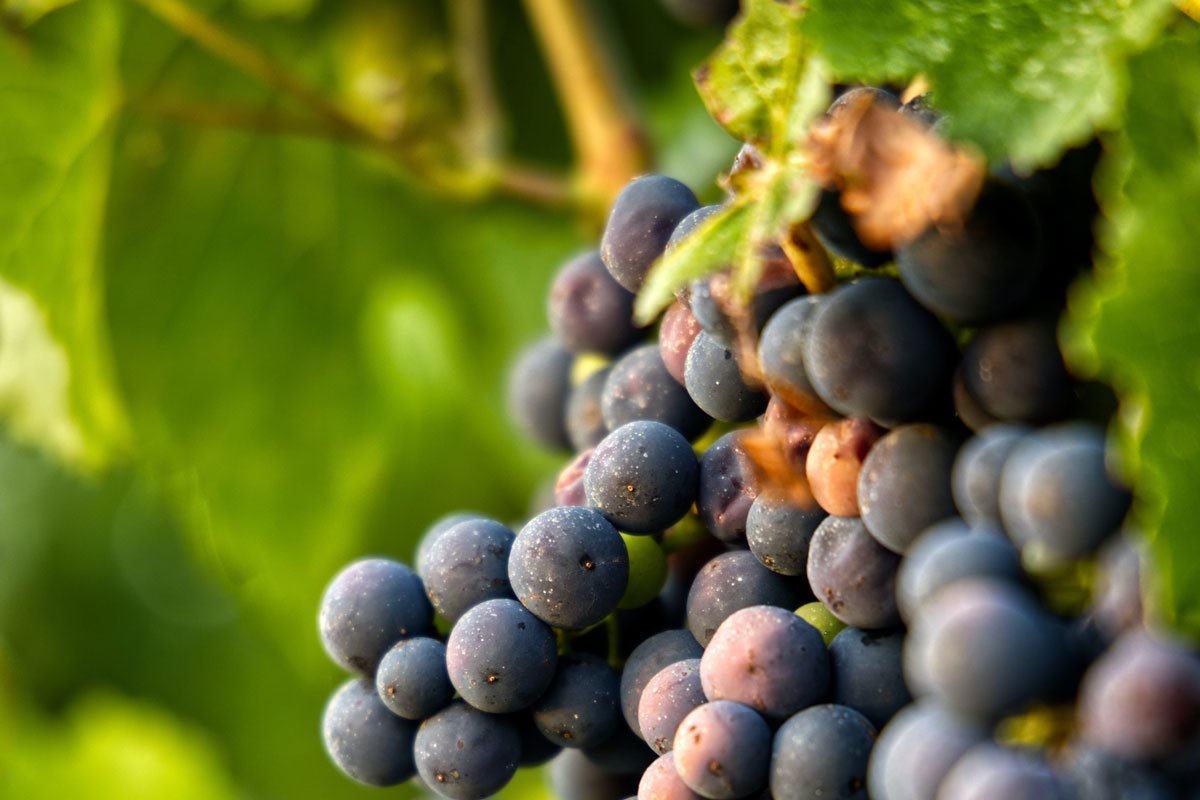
240, 348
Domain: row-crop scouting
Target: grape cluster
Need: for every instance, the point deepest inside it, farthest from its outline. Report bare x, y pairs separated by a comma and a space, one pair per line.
864, 543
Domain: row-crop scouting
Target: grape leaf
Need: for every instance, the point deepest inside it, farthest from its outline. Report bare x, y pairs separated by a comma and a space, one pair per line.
751, 83
60, 93
714, 244
1136, 322
1022, 80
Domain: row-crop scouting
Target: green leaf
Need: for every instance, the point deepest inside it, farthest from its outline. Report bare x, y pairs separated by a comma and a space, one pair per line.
713, 245
59, 94
1022, 80
112, 747
1136, 322
750, 83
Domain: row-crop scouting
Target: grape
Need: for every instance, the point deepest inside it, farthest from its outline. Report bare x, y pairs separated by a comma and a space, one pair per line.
966, 407
916, 750
678, 330
981, 270
852, 574
574, 777
365, 740
822, 752
642, 477
1056, 493
988, 772
1015, 372
834, 228
639, 387
950, 551
1097, 775
435, 530
781, 354
623, 753
569, 566
588, 310
668, 697
982, 648
904, 485
690, 223
538, 385
412, 680
766, 658
467, 565
647, 571
727, 488
369, 606
581, 707
817, 615
585, 420
723, 750
792, 430
1117, 598
715, 382
835, 461
640, 223
975, 476
661, 781
871, 351
569, 487
1141, 700
464, 753
867, 673
645, 662
721, 312
778, 534
733, 581
500, 657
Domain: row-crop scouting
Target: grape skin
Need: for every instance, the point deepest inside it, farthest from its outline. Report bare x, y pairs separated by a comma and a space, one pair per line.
867, 673
638, 387
715, 382
835, 461
988, 772
465, 754
500, 657
646, 660
676, 333
733, 581
538, 385
779, 534
723, 750
904, 485
588, 310
668, 697
975, 476
822, 752
569, 566
726, 489
640, 222
781, 354
584, 419
367, 607
412, 680
642, 477
366, 740
766, 658
852, 574
915, 751
580, 708
467, 565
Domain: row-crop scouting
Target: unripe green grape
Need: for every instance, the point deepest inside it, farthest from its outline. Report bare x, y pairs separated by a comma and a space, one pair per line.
647, 570
817, 615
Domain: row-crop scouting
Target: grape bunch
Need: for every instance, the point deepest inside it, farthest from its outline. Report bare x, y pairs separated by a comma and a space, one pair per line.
863, 543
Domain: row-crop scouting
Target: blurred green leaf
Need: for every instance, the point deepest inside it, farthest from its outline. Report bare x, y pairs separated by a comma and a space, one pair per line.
1022, 80
1136, 322
112, 747
60, 93
27, 12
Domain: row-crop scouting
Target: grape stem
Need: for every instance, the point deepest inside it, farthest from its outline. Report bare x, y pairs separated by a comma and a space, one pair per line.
487, 173
609, 144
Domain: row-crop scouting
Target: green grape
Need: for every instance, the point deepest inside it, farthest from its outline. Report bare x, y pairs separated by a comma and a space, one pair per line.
647, 570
